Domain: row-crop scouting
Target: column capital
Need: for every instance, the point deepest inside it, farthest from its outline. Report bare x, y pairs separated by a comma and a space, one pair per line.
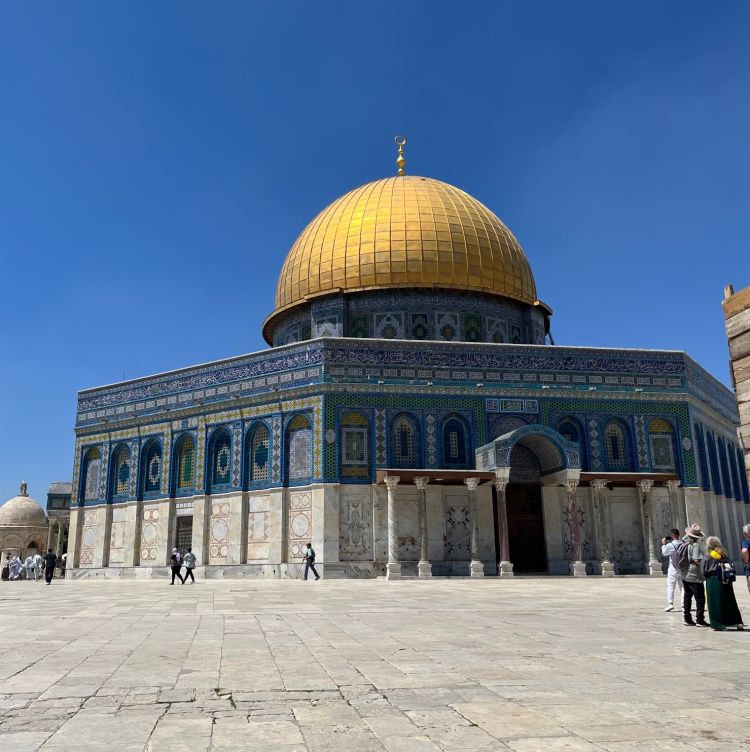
571, 484
391, 481
599, 484
471, 483
673, 485
421, 482
501, 484
645, 485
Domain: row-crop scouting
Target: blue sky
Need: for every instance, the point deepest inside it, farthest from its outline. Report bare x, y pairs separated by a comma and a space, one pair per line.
157, 161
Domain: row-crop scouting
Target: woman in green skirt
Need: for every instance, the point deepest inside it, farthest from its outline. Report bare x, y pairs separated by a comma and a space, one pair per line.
722, 606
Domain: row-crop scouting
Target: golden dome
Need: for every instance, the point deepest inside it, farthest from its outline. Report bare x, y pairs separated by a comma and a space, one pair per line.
408, 232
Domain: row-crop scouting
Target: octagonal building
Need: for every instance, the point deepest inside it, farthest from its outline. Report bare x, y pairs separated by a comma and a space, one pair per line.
411, 417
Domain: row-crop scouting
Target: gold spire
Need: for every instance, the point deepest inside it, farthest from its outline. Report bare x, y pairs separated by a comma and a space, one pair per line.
400, 160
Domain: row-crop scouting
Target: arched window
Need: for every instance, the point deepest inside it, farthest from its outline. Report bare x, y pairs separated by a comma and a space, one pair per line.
219, 460
151, 468
455, 444
714, 462
616, 446
184, 472
726, 482
299, 449
570, 429
702, 458
661, 438
733, 470
257, 453
406, 447
355, 445
121, 471
90, 471
743, 475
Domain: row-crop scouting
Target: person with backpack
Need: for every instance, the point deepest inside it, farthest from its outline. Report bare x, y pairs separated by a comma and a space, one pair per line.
745, 553
669, 545
688, 558
720, 575
310, 562
175, 562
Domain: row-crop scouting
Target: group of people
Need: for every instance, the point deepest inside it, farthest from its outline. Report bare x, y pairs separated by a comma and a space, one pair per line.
32, 567
705, 574
177, 561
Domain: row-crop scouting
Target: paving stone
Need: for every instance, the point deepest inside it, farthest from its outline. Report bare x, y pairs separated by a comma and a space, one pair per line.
522, 664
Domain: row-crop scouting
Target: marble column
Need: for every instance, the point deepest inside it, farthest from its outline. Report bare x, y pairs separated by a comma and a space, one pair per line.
476, 567
393, 568
577, 565
601, 524
647, 515
424, 568
504, 564
679, 518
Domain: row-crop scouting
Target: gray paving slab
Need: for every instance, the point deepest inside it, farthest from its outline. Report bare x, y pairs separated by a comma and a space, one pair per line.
460, 665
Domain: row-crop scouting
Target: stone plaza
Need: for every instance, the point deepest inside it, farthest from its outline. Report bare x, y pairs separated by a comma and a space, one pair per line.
520, 664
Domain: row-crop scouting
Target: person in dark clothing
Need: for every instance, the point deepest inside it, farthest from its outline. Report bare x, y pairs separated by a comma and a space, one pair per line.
693, 578
310, 562
175, 561
50, 562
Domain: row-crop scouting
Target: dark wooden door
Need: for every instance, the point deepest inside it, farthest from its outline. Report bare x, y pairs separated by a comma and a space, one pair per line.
528, 550
184, 536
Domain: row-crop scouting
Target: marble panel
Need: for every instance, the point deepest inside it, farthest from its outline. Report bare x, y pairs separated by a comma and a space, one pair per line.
355, 525
117, 537
258, 528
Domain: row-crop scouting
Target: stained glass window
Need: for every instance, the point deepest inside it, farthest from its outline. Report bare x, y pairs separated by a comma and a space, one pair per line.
152, 468
122, 472
299, 444
662, 447
222, 459
259, 444
404, 441
454, 443
615, 446
92, 465
186, 464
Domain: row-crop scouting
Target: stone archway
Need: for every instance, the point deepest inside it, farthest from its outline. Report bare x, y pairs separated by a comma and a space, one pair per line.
523, 460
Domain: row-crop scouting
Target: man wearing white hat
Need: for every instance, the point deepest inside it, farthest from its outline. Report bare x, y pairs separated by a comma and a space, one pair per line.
692, 578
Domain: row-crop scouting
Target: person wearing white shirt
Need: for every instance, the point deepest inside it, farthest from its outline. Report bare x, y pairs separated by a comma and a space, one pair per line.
668, 546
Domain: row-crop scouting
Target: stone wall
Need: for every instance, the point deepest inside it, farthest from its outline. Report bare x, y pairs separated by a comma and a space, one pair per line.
737, 321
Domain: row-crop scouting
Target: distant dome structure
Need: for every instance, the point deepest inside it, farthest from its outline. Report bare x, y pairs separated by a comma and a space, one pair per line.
23, 525
22, 511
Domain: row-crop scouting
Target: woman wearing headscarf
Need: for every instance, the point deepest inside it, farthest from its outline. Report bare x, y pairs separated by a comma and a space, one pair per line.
722, 606
175, 561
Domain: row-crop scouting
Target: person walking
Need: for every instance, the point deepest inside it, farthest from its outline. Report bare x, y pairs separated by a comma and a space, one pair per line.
669, 544
722, 605
692, 578
175, 561
50, 562
310, 562
37, 566
189, 559
745, 553
15, 568
6, 568
63, 562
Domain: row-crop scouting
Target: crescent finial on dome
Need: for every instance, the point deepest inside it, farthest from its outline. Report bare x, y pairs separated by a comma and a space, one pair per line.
400, 159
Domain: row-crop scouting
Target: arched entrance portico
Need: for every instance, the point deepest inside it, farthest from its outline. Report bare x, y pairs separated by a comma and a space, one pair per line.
524, 460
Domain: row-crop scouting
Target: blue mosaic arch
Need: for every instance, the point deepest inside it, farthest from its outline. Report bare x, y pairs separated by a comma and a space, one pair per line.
298, 451
151, 468
218, 475
455, 442
553, 450
256, 457
183, 469
571, 428
405, 444
120, 472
